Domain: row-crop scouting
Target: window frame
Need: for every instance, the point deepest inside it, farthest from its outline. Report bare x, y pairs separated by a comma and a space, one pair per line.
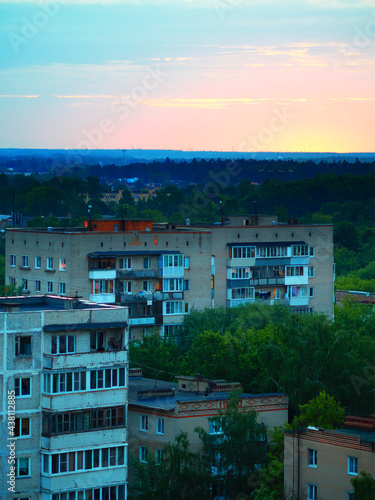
17, 347
13, 260
49, 286
62, 288
18, 387
62, 265
25, 261
312, 492
352, 461
21, 434
17, 471
312, 458
124, 263
160, 426
143, 423
143, 454
38, 286
38, 262
49, 264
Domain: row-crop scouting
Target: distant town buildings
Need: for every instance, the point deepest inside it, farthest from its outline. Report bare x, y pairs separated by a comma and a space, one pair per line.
64, 384
163, 271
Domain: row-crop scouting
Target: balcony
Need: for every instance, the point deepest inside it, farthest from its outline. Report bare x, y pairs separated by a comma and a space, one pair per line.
145, 320
127, 298
137, 274
267, 281
297, 280
86, 399
86, 360
79, 440
83, 479
102, 274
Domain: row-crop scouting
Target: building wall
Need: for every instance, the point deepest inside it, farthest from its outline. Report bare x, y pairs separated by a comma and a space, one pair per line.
42, 326
207, 274
331, 473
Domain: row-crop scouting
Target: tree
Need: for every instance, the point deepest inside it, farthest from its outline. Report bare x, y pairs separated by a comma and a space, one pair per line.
234, 450
364, 486
323, 411
180, 476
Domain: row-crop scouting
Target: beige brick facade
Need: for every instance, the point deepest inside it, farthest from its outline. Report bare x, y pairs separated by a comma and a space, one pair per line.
221, 266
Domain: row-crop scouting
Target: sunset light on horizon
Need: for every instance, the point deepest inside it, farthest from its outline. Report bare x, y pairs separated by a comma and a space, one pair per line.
209, 75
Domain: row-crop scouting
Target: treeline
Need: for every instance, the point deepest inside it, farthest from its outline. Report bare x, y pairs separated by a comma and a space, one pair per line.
347, 201
190, 172
268, 349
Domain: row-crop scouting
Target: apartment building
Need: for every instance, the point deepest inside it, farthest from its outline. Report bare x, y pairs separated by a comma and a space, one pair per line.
319, 463
162, 271
64, 393
159, 410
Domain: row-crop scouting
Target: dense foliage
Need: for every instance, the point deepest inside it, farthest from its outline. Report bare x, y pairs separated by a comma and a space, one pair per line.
268, 349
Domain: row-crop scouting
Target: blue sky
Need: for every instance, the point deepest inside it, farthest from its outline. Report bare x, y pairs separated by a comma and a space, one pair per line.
219, 74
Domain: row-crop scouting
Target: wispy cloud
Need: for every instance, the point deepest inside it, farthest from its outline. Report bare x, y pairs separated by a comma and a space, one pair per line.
20, 96
202, 102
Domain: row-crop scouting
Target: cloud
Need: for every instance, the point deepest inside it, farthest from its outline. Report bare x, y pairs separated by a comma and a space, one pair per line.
20, 96
209, 103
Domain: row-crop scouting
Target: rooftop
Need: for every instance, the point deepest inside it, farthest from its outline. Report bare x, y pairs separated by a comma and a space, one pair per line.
47, 303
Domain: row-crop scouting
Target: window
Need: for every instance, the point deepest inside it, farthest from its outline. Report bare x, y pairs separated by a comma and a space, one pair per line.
24, 285
23, 346
49, 286
22, 467
37, 285
25, 261
12, 261
62, 265
12, 281
49, 263
38, 262
125, 263
61, 288
22, 387
186, 284
242, 293
143, 422
311, 272
186, 262
353, 466
76, 461
147, 286
242, 252
312, 493
160, 426
214, 427
240, 273
173, 285
294, 271
101, 286
142, 454
126, 287
311, 292
22, 427
173, 307
312, 458
97, 341
298, 291
274, 251
350, 495
300, 250
62, 344
312, 251
173, 260
158, 456
147, 263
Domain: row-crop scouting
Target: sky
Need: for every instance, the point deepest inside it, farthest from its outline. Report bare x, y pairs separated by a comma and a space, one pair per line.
214, 75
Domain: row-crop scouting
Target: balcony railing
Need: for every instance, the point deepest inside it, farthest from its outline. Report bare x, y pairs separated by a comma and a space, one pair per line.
140, 273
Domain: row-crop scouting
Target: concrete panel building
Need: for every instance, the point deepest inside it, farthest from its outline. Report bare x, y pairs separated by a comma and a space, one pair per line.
320, 463
159, 410
162, 271
64, 393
